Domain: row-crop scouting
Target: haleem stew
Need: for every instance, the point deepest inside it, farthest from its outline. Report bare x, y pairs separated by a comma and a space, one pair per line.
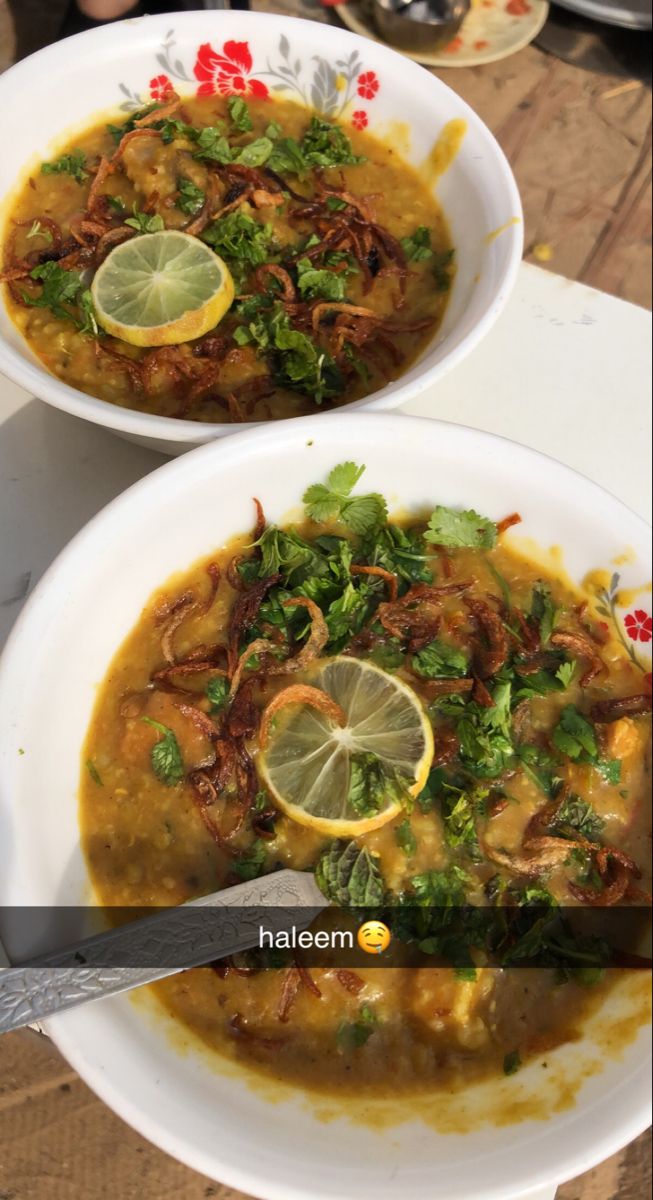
218, 260
423, 718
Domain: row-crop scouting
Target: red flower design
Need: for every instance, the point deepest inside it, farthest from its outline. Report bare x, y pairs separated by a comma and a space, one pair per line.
161, 88
454, 46
639, 625
227, 72
368, 85
359, 119
517, 8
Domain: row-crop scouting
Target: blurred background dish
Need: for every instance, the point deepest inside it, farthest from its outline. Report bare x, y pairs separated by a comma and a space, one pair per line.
492, 30
419, 25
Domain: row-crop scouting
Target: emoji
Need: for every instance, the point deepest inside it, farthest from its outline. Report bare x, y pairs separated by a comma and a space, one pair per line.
373, 937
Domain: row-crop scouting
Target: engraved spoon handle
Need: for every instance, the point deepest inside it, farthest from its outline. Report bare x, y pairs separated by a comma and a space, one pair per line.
201, 931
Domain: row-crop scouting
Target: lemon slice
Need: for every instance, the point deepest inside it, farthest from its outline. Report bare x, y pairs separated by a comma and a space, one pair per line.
160, 289
307, 764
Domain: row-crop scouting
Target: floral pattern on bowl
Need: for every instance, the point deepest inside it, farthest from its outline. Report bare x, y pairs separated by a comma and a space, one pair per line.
330, 88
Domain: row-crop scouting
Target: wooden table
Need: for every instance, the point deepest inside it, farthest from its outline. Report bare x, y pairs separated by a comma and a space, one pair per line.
580, 147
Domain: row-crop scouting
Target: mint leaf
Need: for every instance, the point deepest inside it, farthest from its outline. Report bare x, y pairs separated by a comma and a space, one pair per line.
255, 153
165, 756
190, 198
441, 889
249, 864
405, 838
466, 974
212, 144
347, 874
373, 784
451, 528
315, 283
69, 164
239, 114
576, 816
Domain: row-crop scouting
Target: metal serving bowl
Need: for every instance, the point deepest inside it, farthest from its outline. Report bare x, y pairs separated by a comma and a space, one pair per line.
419, 25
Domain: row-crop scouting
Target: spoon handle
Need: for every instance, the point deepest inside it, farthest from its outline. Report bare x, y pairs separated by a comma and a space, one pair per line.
162, 944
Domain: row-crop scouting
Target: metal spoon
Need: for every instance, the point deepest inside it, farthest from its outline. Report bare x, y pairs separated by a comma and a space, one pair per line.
191, 935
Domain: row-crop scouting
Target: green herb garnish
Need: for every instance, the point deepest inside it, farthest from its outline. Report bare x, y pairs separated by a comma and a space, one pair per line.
451, 528
69, 164
333, 500
165, 756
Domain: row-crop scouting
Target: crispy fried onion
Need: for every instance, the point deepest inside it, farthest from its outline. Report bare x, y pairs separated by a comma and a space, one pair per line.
244, 614
294, 978
580, 646
416, 616
350, 981
540, 854
492, 650
605, 711
233, 769
299, 693
312, 648
173, 615
258, 646
381, 573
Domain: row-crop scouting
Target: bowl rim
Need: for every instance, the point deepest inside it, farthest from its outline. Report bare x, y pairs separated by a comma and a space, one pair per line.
631, 1120
39, 382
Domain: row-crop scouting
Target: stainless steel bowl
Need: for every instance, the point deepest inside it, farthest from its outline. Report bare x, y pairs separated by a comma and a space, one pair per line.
419, 25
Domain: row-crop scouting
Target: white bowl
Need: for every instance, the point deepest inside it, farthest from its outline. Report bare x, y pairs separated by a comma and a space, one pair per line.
67, 84
205, 1113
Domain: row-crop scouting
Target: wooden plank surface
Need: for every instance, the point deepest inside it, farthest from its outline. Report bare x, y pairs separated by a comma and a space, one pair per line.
580, 146
58, 1142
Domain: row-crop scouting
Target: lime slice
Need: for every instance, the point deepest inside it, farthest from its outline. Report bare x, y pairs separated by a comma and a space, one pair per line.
160, 289
312, 759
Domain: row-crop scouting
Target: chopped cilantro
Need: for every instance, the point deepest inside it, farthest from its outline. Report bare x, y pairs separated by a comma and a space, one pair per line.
165, 756
145, 222
217, 690
353, 1034
69, 164
417, 247
575, 737
60, 287
239, 238
37, 230
511, 1063
298, 362
93, 772
439, 660
327, 145
451, 528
